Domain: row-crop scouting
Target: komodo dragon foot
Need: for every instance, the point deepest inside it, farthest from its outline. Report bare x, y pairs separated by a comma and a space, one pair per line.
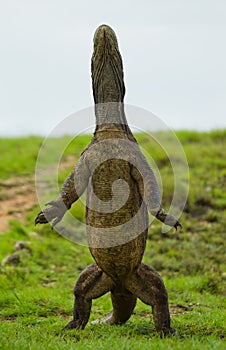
54, 212
74, 324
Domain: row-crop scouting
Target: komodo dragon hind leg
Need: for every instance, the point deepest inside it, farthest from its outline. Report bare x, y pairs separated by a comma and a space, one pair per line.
123, 303
148, 286
92, 284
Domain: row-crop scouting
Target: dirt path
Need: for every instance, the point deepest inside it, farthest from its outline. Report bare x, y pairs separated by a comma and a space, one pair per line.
17, 195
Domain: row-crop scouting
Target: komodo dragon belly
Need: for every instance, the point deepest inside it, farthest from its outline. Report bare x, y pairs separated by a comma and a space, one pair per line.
117, 219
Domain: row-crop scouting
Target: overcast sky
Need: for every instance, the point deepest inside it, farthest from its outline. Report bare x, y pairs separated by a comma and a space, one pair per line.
174, 57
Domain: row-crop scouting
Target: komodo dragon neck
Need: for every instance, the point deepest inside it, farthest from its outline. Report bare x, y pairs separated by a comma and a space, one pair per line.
108, 84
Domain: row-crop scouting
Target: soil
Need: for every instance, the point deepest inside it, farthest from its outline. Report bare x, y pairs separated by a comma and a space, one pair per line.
17, 195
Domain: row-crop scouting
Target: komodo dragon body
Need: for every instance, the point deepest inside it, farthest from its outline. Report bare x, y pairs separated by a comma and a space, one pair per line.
115, 173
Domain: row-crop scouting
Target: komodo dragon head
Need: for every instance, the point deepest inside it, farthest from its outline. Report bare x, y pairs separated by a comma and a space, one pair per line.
108, 82
107, 69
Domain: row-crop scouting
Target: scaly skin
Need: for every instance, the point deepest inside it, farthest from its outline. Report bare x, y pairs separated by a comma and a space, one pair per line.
116, 235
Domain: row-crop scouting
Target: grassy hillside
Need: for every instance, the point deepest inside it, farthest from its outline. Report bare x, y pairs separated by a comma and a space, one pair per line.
36, 283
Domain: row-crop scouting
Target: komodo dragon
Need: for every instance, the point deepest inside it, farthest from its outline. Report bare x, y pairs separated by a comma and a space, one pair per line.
113, 155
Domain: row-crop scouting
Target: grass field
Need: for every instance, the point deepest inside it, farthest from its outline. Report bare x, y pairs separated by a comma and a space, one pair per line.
36, 283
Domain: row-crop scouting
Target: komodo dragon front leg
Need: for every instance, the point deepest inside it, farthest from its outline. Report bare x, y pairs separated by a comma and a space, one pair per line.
149, 191
72, 189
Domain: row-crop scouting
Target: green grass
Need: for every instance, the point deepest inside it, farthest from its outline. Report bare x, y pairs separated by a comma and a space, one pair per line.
36, 297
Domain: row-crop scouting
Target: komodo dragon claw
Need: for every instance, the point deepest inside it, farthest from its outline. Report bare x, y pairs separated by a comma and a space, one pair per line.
178, 224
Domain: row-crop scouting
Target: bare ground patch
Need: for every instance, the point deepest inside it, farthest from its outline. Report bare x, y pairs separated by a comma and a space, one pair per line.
17, 195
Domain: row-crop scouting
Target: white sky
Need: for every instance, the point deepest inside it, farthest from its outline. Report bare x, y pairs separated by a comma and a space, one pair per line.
174, 57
